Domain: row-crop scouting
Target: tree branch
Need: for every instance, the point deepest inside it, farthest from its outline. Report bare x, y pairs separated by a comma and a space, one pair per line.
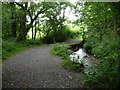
33, 19
21, 5
39, 12
30, 15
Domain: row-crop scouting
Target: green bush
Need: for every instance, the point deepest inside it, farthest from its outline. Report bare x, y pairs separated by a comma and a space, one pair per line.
33, 42
61, 35
105, 77
107, 51
91, 42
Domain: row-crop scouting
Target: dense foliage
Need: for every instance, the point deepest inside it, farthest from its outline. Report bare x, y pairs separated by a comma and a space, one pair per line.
43, 18
102, 39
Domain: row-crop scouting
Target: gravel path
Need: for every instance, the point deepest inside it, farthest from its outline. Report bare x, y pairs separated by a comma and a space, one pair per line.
71, 42
36, 68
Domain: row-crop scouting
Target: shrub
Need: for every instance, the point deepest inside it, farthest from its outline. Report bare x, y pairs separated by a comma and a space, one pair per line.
61, 35
33, 42
107, 75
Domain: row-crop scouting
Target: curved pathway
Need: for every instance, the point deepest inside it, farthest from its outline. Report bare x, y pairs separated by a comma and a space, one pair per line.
36, 68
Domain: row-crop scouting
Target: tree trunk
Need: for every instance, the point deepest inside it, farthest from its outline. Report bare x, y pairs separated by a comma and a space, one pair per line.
23, 31
32, 32
13, 24
35, 31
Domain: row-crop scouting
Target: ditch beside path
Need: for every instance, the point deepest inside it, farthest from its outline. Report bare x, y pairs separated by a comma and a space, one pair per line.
36, 68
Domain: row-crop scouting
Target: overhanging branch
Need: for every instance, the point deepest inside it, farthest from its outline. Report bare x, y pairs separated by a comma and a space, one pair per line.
21, 5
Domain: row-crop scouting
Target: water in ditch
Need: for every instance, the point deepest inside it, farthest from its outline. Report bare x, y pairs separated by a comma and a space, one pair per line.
80, 56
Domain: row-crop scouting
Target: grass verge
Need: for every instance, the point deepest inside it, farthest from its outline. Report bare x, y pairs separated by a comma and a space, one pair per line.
64, 51
10, 47
68, 64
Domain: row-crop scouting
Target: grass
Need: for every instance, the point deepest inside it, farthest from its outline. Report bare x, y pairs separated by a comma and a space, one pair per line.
10, 47
68, 64
63, 51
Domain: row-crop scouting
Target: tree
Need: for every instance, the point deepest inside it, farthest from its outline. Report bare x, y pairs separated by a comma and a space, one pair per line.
55, 17
8, 20
13, 19
28, 10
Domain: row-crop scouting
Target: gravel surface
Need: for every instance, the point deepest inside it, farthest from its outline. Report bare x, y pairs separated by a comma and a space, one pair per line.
36, 68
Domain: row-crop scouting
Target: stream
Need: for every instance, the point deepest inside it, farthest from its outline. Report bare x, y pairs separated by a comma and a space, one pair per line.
80, 56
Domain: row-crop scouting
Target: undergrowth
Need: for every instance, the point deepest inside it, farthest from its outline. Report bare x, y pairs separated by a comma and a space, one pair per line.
107, 51
62, 35
11, 47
